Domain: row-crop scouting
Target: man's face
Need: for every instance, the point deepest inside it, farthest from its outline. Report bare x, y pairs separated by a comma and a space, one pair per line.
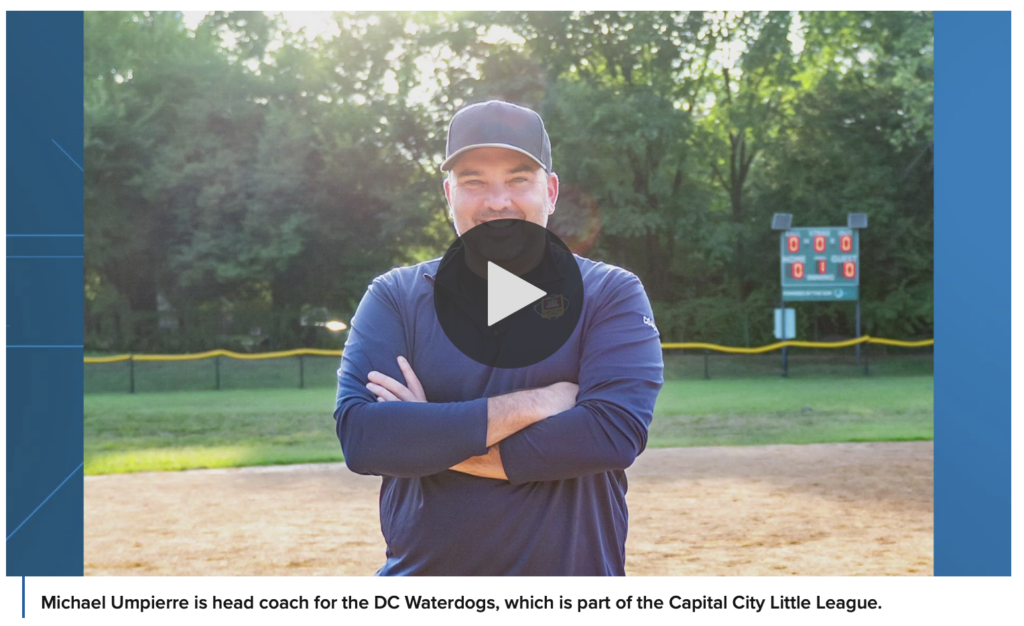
490, 184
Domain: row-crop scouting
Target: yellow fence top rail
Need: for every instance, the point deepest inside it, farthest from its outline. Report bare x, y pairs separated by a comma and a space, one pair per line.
799, 344
667, 346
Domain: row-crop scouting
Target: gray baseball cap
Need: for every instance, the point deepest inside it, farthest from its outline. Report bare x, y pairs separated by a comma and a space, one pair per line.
497, 124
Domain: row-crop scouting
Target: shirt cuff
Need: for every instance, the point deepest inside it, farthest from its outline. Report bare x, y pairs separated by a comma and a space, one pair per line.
475, 426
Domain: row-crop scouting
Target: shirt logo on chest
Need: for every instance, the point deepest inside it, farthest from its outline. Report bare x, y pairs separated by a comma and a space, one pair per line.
552, 307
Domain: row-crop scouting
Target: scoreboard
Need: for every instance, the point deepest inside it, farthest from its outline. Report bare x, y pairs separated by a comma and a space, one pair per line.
820, 264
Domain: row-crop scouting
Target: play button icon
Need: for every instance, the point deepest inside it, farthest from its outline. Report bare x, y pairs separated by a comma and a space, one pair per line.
508, 293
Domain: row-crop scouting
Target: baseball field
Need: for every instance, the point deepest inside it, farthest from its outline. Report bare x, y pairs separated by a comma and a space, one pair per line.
742, 476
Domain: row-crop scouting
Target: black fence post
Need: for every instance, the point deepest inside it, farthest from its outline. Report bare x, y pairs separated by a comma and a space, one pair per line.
216, 371
865, 359
302, 374
131, 374
707, 375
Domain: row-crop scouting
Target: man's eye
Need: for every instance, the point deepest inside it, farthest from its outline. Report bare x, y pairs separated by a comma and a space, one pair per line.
520, 179
471, 183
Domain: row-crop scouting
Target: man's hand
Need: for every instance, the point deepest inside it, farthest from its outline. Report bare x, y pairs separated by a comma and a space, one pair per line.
388, 389
486, 466
538, 403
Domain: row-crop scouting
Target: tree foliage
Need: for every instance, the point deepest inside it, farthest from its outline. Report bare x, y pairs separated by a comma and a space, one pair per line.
244, 181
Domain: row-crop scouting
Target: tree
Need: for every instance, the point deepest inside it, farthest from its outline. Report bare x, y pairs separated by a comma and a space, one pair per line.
241, 175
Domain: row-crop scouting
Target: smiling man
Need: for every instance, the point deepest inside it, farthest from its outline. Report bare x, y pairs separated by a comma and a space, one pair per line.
502, 445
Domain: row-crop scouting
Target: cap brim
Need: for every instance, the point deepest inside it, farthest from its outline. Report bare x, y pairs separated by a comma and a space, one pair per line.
450, 161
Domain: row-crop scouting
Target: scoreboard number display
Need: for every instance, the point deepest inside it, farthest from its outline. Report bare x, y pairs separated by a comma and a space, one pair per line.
820, 264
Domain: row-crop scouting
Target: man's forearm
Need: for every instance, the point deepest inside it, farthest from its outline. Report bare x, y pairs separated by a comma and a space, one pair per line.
486, 466
512, 412
407, 439
507, 415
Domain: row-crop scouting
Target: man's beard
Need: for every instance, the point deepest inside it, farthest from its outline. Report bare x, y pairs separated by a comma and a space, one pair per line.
504, 252
514, 244
499, 250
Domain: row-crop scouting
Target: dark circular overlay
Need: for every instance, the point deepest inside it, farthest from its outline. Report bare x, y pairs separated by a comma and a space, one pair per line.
533, 254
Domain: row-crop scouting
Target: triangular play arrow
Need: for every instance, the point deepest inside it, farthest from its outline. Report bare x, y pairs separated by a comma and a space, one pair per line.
507, 293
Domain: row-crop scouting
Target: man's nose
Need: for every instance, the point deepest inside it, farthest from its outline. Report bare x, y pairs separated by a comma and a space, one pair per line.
498, 198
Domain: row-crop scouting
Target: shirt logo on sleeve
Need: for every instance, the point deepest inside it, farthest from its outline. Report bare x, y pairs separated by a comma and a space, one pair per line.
552, 307
650, 323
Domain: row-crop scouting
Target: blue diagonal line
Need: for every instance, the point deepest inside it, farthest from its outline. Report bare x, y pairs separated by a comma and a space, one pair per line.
73, 472
66, 154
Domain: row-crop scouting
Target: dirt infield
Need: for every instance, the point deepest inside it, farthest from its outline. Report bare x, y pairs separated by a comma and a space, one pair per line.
827, 509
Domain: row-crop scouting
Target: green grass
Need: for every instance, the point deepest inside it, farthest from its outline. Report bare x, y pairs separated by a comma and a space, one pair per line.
202, 429
729, 412
182, 430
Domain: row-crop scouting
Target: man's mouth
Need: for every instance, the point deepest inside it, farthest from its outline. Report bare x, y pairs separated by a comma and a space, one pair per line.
499, 224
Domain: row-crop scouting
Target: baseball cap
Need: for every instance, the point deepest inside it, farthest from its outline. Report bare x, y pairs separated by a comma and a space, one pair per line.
497, 124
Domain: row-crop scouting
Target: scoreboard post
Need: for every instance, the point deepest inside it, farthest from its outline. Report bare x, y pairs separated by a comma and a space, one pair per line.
820, 264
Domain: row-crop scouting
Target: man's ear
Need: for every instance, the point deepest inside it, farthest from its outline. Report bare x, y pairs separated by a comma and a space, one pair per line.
448, 197
552, 190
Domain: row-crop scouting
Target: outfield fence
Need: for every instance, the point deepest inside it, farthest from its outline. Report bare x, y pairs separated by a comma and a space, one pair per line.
224, 369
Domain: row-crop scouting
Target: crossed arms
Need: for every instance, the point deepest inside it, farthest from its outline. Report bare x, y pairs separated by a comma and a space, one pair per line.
506, 414
552, 433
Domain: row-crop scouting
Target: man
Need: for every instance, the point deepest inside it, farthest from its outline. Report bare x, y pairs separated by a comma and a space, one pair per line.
489, 470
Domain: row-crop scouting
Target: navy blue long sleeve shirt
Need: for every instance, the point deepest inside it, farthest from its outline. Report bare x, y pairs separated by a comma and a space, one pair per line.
562, 510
